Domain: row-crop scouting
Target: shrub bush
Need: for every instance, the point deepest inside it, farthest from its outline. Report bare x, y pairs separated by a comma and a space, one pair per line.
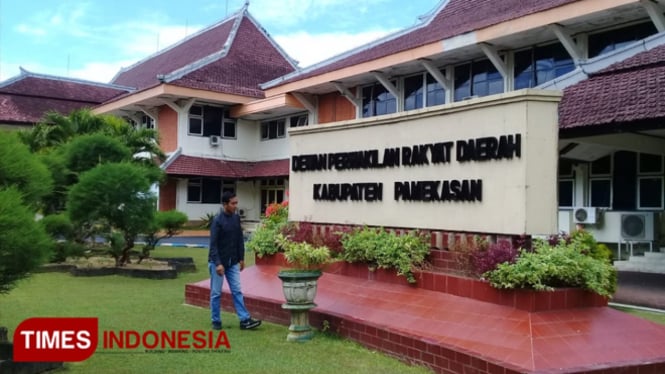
263, 240
303, 255
495, 254
464, 253
24, 245
405, 253
303, 232
61, 230
562, 265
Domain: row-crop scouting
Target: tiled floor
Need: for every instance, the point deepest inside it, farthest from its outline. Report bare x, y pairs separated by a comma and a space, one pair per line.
503, 339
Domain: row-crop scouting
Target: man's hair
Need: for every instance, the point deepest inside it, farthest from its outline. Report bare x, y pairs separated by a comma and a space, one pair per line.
227, 196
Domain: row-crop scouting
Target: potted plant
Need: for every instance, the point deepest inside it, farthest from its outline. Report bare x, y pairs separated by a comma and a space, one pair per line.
299, 282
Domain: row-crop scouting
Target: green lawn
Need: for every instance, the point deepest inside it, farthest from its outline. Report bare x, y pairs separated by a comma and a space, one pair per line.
651, 316
123, 303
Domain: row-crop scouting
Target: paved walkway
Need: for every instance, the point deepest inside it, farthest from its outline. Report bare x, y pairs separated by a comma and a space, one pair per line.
641, 289
453, 334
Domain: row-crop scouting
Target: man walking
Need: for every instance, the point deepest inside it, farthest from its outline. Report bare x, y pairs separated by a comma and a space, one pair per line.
227, 257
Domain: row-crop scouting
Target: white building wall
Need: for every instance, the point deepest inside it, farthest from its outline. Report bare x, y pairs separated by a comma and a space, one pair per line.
247, 146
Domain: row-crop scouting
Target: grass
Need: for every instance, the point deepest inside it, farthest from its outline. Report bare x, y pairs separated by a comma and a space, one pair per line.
122, 303
651, 316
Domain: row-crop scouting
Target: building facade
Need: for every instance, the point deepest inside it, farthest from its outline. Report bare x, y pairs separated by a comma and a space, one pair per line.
605, 56
188, 92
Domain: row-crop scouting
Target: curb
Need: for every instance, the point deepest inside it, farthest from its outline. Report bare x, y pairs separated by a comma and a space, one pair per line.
179, 245
183, 245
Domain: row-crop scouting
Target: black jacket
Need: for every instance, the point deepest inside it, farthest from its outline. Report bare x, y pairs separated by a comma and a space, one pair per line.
227, 246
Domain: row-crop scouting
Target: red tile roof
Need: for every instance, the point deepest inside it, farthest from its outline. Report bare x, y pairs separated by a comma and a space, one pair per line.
628, 91
233, 56
30, 109
457, 17
27, 97
209, 167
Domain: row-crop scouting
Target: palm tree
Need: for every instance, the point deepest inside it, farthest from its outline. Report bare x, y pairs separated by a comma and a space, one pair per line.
57, 129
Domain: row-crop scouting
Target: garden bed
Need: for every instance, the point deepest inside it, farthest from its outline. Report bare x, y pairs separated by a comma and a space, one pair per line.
150, 268
523, 299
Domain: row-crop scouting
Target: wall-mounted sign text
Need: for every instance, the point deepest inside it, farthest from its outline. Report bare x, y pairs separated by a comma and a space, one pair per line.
441, 153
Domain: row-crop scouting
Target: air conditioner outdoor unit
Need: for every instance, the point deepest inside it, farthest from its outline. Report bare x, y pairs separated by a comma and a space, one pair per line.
214, 140
638, 226
585, 214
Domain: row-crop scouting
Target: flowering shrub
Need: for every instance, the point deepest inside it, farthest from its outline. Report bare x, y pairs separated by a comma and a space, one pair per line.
278, 211
263, 240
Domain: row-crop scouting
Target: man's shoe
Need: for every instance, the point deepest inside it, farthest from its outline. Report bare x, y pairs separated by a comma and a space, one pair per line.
249, 324
216, 325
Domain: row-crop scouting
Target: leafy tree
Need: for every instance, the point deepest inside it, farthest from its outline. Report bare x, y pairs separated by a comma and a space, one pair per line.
24, 244
24, 180
165, 225
55, 162
62, 233
87, 151
18, 167
71, 144
116, 196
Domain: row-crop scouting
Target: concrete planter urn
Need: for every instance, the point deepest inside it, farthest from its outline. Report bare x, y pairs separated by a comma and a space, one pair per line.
299, 288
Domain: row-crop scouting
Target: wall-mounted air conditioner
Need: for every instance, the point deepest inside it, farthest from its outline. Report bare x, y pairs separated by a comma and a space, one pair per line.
586, 214
638, 226
214, 140
242, 212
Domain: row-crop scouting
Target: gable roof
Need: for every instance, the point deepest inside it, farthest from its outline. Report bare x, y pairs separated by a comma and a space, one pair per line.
233, 56
28, 96
627, 91
452, 18
209, 167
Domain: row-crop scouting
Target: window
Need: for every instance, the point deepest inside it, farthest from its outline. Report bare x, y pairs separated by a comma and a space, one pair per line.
273, 129
650, 181
608, 41
146, 122
538, 65
377, 100
208, 190
600, 182
208, 120
299, 120
413, 92
479, 78
421, 91
196, 120
272, 191
436, 95
228, 125
566, 183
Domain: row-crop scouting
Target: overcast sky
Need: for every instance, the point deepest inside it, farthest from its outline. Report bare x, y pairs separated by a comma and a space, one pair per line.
94, 39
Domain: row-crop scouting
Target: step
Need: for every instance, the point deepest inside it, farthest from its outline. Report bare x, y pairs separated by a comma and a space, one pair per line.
640, 267
656, 255
647, 260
